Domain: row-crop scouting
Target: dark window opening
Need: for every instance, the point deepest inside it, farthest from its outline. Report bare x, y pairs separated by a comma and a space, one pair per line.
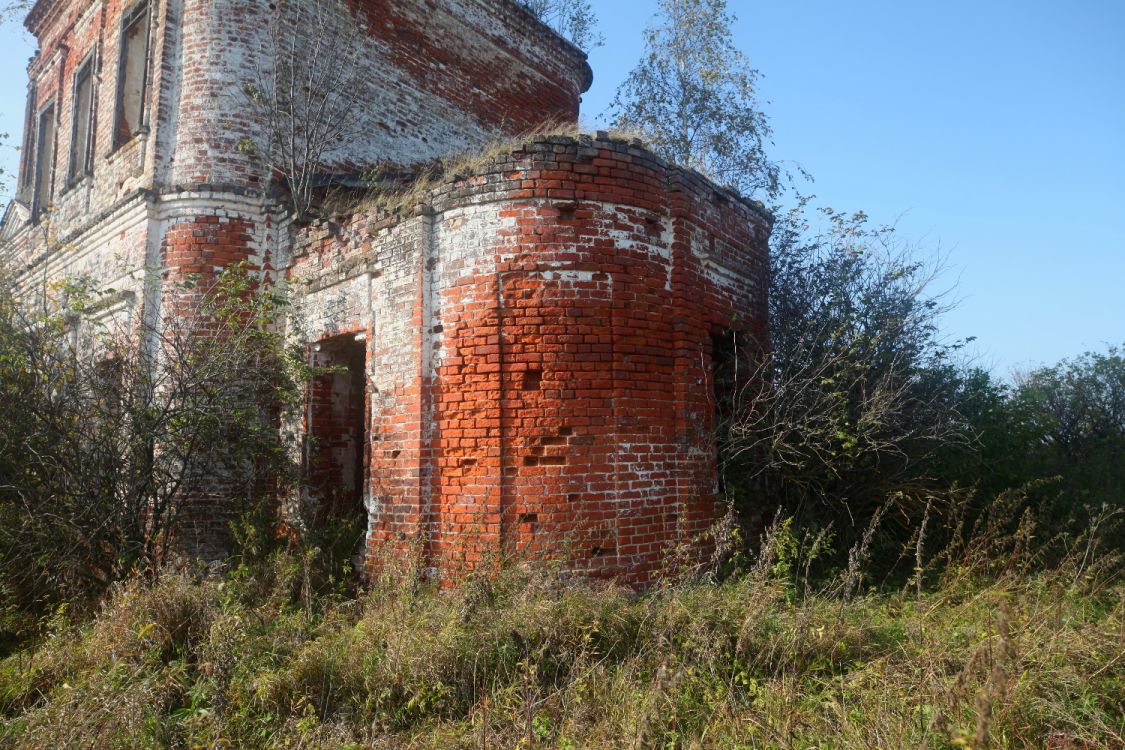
44, 160
724, 395
80, 152
131, 73
337, 429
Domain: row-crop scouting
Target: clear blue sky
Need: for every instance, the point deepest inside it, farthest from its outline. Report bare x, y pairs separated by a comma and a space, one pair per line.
992, 131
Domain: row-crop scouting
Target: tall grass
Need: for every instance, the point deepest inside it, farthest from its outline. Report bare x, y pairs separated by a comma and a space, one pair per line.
981, 655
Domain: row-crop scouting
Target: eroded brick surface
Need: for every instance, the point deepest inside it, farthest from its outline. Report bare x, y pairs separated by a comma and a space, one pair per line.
541, 355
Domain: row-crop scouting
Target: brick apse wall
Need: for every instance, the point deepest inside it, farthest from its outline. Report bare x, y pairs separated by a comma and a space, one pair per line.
537, 340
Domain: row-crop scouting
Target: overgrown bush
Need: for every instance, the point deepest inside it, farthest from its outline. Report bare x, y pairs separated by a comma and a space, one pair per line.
108, 423
862, 407
858, 392
1055, 437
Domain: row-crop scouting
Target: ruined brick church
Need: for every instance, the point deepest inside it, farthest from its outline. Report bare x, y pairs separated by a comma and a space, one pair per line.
526, 353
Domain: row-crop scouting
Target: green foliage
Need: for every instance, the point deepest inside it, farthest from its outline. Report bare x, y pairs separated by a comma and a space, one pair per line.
106, 422
1077, 410
862, 407
1058, 432
693, 97
848, 410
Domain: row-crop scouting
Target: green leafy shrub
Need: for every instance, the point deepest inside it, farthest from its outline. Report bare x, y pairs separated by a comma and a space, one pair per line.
106, 424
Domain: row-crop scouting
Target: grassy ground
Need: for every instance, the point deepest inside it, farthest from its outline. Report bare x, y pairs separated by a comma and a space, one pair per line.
978, 658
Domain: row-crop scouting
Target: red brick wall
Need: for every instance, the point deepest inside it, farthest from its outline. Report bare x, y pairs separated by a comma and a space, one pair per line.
538, 334
541, 356
453, 51
194, 251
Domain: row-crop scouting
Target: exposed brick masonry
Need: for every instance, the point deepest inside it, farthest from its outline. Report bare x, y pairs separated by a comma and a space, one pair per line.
541, 354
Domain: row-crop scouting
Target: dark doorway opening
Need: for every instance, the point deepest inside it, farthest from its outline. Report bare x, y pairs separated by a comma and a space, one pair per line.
337, 429
725, 384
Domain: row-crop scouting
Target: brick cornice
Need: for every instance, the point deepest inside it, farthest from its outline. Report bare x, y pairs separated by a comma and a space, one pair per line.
528, 23
39, 13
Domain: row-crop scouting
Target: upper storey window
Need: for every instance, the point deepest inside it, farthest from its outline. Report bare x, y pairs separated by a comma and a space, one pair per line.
131, 71
44, 159
80, 151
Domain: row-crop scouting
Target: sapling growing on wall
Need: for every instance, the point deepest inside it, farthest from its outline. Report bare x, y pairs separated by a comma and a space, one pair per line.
306, 89
14, 11
574, 19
